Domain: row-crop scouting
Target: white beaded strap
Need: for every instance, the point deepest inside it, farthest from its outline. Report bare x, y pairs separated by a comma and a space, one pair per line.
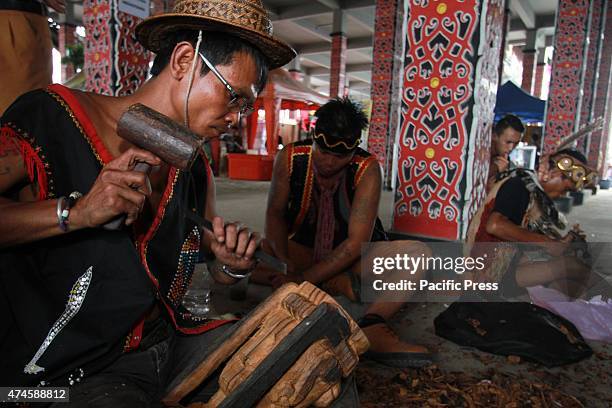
75, 300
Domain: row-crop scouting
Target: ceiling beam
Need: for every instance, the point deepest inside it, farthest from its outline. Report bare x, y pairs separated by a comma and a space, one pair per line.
299, 11
353, 4
349, 69
314, 30
332, 4
359, 85
546, 20
356, 43
313, 61
358, 68
320, 7
516, 24
314, 72
360, 21
359, 43
541, 21
524, 11
516, 35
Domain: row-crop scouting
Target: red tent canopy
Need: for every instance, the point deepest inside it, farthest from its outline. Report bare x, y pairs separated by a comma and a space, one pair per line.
282, 92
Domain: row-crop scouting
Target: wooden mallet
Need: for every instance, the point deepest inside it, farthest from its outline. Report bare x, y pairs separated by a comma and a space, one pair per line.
175, 144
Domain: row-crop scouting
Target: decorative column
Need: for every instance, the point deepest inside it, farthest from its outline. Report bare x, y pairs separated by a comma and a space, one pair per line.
385, 91
539, 73
337, 74
449, 90
115, 63
603, 95
529, 61
590, 73
272, 106
562, 110
66, 37
502, 48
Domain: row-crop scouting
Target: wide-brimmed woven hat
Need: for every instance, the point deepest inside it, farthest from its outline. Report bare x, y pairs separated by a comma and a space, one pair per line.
246, 19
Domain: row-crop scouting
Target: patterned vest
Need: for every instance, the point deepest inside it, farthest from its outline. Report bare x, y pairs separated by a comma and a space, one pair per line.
301, 181
73, 303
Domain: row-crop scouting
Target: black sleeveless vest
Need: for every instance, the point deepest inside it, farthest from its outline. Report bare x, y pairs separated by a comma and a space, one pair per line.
71, 304
301, 181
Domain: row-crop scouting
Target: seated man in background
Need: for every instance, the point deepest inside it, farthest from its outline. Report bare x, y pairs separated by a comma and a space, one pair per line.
322, 207
519, 208
507, 133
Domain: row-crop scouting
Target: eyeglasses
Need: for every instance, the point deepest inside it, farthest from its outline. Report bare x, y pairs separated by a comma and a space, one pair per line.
237, 103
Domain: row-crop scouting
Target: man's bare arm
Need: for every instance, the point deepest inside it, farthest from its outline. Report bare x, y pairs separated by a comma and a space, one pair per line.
111, 195
276, 229
22, 222
501, 227
207, 238
229, 244
361, 224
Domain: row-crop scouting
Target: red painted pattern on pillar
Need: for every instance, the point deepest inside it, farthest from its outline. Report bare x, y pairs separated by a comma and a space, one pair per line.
570, 36
603, 97
529, 62
97, 16
588, 87
539, 80
337, 74
385, 90
449, 88
502, 48
482, 113
115, 63
131, 59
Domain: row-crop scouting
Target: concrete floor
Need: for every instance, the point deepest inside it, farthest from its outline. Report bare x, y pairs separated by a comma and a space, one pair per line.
590, 380
246, 201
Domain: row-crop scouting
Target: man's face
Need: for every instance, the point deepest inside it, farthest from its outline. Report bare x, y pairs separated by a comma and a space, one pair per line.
209, 115
557, 184
504, 143
328, 163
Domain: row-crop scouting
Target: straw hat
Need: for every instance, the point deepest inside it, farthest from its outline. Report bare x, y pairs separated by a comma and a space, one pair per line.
246, 19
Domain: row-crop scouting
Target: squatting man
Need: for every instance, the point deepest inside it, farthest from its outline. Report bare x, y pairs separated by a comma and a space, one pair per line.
322, 207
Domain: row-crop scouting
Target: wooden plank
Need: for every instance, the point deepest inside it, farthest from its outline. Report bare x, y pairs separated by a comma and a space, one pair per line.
324, 322
224, 347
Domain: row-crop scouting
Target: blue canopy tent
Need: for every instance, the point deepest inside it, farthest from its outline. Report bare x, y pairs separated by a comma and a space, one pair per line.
511, 99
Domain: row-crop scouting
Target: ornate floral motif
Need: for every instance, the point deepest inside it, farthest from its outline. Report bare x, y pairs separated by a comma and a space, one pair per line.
115, 64
570, 35
485, 93
599, 139
385, 92
592, 61
445, 122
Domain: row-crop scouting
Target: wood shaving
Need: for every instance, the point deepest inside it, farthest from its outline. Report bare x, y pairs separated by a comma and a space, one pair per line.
430, 387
